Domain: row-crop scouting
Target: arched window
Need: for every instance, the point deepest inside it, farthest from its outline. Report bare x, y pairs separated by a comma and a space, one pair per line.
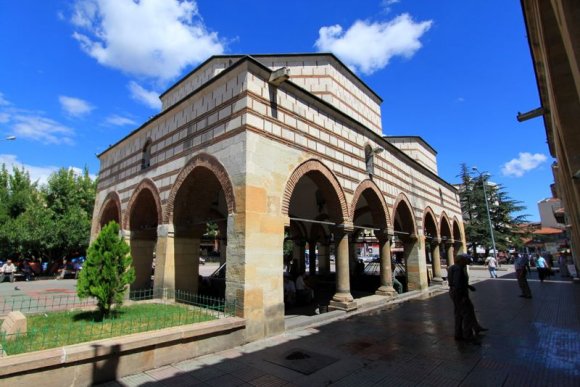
146, 157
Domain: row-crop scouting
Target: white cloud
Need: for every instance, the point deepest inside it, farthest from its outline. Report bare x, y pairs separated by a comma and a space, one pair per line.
524, 163
75, 107
40, 174
153, 38
147, 97
117, 120
38, 128
3, 101
386, 5
368, 47
33, 125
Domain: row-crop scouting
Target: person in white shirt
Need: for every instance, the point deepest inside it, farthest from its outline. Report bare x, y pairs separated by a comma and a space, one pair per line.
8, 270
491, 263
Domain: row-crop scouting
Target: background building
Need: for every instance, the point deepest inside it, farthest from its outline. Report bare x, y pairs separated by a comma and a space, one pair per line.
553, 28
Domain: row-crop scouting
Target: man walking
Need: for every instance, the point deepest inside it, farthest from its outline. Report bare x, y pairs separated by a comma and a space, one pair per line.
491, 263
466, 325
522, 266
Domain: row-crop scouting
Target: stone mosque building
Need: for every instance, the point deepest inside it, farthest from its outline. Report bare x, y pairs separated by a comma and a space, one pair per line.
275, 148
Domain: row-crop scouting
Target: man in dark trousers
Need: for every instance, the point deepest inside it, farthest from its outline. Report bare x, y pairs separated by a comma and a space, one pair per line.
466, 325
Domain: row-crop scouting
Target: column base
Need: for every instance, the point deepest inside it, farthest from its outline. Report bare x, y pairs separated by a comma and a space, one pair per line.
438, 280
346, 306
387, 291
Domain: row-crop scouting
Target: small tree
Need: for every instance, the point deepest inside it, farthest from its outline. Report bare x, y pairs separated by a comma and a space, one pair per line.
107, 270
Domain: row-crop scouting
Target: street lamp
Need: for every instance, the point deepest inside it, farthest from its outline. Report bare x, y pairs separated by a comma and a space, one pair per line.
8, 138
487, 209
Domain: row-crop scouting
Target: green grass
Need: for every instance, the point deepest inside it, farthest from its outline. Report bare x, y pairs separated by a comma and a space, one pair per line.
50, 330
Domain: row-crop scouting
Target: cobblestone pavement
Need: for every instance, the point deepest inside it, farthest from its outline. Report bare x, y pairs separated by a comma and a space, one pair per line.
530, 342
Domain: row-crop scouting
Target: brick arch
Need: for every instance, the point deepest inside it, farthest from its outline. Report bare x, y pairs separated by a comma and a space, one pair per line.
370, 185
402, 198
445, 218
202, 160
146, 184
301, 171
458, 225
114, 197
429, 212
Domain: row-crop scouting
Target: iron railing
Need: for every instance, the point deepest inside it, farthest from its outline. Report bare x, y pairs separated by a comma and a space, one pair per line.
77, 320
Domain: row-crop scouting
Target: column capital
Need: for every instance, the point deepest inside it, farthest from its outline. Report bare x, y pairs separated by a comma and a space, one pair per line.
165, 230
346, 227
436, 241
384, 234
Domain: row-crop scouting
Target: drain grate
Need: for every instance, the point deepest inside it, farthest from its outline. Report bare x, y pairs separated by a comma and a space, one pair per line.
303, 361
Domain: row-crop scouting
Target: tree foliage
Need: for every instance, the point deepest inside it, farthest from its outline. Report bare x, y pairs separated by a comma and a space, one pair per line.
506, 225
107, 271
45, 221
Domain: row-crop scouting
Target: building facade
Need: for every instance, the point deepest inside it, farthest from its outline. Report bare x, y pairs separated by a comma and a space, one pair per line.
274, 148
553, 28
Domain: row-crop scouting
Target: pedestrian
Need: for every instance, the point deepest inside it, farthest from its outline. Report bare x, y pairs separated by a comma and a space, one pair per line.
491, 263
8, 270
304, 293
562, 266
522, 267
541, 267
466, 324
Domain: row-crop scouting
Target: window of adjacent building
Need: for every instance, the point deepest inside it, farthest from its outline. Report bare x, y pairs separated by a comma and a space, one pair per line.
146, 157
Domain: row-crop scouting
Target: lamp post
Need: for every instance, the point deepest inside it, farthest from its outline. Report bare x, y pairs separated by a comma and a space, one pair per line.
488, 215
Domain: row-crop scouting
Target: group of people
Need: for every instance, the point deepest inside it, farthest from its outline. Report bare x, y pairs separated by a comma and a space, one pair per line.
297, 291
28, 268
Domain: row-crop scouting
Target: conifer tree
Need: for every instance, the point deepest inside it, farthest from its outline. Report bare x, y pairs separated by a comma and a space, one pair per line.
107, 271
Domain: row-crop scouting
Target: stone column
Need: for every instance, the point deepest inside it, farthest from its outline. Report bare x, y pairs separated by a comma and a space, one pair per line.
323, 258
164, 277
298, 259
312, 257
223, 250
436, 256
186, 253
416, 263
342, 300
142, 251
352, 256
450, 253
386, 273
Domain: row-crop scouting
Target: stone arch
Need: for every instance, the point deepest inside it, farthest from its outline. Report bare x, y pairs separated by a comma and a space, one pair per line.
110, 209
429, 213
209, 162
322, 174
445, 229
146, 184
457, 230
379, 201
408, 224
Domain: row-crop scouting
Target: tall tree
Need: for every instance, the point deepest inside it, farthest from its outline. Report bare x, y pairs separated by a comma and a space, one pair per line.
502, 211
107, 271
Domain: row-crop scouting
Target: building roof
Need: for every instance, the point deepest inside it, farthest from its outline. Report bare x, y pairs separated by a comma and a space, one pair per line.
547, 231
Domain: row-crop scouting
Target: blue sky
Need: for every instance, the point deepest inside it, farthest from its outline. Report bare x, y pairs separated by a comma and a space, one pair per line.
76, 76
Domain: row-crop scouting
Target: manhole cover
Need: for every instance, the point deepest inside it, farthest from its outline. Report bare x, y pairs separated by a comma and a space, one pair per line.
303, 361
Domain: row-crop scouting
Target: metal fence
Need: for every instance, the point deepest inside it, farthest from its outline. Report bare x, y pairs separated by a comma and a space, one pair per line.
65, 320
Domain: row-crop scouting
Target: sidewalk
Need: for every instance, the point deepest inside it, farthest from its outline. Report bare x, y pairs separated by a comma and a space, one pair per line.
530, 343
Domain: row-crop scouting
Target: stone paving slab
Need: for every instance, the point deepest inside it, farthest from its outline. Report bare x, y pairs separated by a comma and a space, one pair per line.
530, 343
